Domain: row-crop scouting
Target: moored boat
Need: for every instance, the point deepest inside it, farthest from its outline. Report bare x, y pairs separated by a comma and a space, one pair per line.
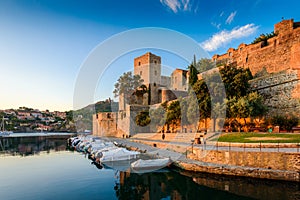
118, 154
144, 166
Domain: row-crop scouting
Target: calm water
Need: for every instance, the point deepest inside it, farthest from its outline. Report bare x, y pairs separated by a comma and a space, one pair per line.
41, 168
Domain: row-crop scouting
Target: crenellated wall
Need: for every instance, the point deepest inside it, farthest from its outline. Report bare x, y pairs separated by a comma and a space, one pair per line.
279, 53
275, 64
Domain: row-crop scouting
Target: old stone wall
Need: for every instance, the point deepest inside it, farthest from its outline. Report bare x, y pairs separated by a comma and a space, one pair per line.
266, 160
105, 124
280, 91
119, 124
279, 53
276, 64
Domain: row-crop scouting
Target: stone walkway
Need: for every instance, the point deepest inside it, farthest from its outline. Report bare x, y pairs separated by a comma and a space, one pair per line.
227, 146
184, 163
175, 156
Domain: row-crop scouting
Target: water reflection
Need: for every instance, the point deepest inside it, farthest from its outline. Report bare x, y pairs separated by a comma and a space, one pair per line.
26, 146
185, 185
166, 186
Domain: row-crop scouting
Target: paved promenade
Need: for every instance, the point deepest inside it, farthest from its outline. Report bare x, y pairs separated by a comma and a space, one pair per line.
184, 163
225, 146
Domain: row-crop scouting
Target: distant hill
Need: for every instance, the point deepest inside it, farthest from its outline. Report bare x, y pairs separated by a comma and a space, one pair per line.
84, 116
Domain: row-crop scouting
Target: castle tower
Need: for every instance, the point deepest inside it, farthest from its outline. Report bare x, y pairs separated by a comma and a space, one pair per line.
148, 66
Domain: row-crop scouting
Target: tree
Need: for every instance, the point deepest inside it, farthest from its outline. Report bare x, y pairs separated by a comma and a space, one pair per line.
203, 97
143, 118
264, 37
247, 106
290, 122
204, 64
158, 116
127, 84
173, 113
193, 75
278, 120
285, 123
192, 114
217, 111
257, 106
240, 109
236, 81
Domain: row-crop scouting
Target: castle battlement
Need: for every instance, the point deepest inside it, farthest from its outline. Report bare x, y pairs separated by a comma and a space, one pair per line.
281, 52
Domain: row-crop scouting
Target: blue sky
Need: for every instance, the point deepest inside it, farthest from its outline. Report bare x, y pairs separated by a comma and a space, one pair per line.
44, 43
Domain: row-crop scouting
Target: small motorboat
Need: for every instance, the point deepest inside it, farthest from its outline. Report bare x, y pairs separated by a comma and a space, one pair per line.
118, 154
144, 166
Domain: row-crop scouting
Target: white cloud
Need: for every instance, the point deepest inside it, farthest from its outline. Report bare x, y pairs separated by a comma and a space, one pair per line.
177, 5
230, 17
224, 37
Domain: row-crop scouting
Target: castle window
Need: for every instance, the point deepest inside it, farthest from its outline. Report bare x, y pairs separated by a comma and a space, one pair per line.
155, 62
247, 59
141, 73
155, 73
154, 84
139, 63
230, 54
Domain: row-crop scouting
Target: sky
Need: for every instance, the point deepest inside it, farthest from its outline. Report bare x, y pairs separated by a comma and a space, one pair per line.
45, 43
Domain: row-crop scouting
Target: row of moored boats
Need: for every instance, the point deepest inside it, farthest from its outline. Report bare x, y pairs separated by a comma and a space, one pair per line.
107, 153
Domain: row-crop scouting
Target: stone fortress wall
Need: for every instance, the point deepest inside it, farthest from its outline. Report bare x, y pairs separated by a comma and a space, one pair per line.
276, 64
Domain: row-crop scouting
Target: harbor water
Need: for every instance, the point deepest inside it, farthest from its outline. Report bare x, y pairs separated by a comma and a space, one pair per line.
41, 167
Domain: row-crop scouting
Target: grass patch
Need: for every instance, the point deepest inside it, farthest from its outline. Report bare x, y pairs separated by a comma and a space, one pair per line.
259, 137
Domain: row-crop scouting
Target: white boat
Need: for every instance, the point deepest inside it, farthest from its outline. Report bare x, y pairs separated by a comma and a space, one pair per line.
118, 154
3, 132
144, 166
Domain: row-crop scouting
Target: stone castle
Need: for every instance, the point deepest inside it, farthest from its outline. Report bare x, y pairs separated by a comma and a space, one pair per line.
275, 64
159, 89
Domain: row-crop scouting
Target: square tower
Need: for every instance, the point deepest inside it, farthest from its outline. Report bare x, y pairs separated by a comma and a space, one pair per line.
148, 66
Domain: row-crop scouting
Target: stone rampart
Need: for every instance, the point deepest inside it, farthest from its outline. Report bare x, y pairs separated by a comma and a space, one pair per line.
278, 53
280, 91
266, 160
276, 63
